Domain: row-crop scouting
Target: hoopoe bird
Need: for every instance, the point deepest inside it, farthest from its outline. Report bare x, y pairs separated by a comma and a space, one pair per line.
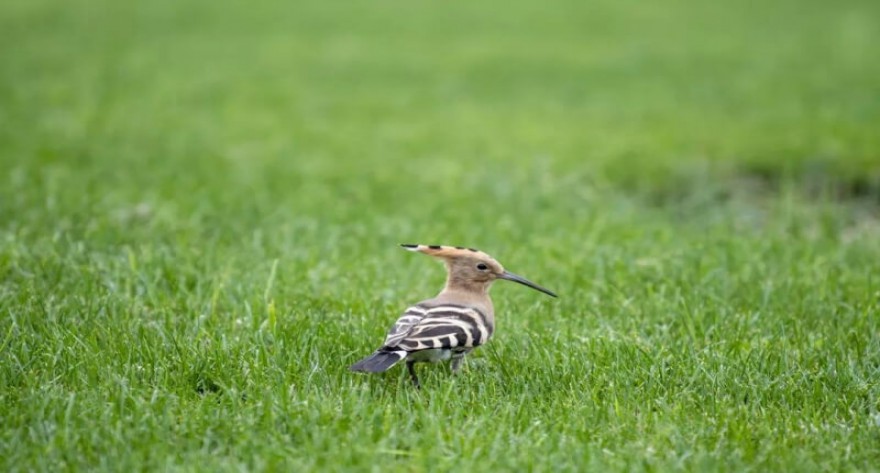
453, 323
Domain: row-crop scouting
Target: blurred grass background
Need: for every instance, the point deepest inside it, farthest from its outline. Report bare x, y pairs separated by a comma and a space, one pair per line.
201, 202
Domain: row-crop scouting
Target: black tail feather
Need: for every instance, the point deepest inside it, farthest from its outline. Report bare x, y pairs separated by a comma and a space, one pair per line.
378, 361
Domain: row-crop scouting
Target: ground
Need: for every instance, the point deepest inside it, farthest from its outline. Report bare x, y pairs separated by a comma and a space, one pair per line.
201, 205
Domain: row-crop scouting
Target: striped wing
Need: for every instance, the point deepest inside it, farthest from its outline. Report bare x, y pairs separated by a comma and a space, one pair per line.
404, 325
445, 326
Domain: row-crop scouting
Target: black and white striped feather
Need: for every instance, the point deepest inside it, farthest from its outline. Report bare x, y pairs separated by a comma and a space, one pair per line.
422, 327
443, 326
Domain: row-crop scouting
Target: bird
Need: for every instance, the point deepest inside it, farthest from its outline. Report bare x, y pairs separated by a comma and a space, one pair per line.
450, 325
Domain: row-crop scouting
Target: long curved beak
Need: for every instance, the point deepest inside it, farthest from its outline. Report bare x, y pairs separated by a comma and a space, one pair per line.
525, 282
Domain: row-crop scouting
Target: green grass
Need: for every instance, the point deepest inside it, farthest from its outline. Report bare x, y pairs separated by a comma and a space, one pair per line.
200, 205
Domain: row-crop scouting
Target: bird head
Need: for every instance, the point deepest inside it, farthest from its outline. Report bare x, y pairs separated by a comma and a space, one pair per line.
472, 269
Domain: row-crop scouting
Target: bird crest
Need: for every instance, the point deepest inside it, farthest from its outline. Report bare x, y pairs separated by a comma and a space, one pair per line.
453, 252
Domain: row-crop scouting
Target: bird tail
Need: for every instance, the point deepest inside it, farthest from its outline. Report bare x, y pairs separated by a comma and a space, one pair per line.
379, 361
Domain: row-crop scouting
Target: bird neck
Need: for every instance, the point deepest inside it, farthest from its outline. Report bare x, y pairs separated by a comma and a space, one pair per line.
470, 296
470, 288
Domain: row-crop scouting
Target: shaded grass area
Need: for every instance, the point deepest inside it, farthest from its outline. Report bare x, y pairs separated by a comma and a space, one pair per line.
202, 201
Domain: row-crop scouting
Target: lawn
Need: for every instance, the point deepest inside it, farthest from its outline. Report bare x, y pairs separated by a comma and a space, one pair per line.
201, 205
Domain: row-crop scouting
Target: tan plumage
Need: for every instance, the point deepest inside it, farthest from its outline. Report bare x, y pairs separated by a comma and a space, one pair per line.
451, 324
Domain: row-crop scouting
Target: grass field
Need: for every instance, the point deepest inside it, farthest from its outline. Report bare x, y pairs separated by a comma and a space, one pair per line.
201, 203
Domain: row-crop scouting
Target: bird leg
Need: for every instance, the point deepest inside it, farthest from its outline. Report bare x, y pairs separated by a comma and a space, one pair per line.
410, 366
458, 358
456, 362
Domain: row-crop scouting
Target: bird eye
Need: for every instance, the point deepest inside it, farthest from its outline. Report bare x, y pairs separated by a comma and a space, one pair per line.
482, 267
